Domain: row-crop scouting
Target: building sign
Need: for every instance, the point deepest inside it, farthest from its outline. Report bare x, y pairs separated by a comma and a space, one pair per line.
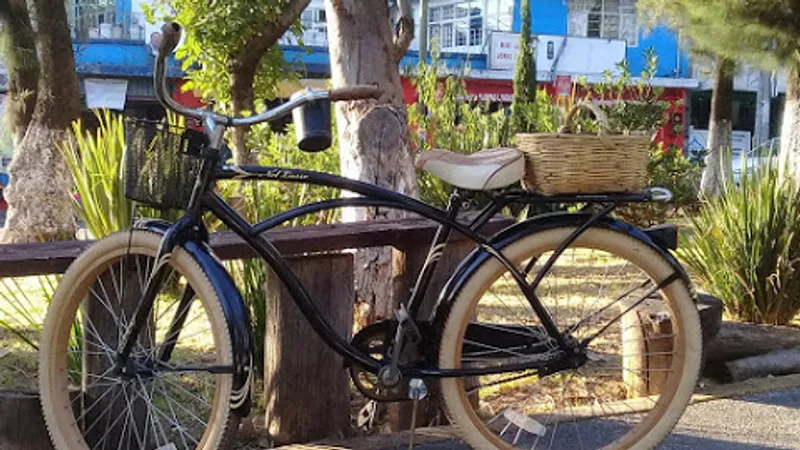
106, 93
503, 49
740, 141
563, 85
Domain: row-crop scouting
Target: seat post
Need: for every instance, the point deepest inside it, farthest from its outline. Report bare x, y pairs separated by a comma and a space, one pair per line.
434, 255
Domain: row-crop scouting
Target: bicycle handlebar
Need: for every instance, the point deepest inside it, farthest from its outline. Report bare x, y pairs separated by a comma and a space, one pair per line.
171, 35
358, 92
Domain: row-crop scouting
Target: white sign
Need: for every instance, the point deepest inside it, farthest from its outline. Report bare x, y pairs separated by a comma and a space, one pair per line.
503, 49
578, 55
106, 93
698, 139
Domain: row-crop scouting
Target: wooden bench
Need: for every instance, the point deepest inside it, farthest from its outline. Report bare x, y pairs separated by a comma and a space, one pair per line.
299, 408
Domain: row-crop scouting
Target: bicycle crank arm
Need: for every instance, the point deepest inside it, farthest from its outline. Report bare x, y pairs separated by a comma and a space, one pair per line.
216, 370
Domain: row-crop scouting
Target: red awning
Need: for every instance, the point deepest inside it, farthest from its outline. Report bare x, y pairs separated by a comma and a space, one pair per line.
482, 90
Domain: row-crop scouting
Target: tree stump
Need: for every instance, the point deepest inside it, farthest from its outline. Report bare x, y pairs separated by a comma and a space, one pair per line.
647, 353
21, 423
647, 343
307, 388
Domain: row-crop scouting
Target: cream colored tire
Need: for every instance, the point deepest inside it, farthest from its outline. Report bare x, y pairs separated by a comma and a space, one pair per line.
55, 389
686, 327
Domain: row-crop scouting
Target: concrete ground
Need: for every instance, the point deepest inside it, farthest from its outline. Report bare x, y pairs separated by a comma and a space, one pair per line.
754, 415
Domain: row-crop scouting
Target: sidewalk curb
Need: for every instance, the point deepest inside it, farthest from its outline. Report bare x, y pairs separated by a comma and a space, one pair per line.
747, 387
439, 434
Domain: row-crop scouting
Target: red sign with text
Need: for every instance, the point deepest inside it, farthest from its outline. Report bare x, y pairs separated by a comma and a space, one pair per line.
563, 85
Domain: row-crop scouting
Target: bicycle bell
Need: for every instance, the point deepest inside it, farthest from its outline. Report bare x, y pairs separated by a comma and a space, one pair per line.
312, 124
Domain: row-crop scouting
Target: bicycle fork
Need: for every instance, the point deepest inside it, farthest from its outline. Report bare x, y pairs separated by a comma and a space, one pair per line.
155, 281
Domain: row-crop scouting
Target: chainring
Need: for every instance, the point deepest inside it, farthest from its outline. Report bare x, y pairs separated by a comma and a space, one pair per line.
376, 341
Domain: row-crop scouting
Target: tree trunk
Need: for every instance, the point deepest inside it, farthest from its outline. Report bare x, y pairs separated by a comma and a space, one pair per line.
720, 128
242, 100
373, 135
790, 129
19, 51
39, 192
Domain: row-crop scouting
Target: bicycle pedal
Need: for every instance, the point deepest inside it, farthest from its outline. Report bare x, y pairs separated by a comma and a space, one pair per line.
523, 423
417, 390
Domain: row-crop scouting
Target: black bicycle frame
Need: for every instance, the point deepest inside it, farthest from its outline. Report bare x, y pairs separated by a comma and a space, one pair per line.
190, 227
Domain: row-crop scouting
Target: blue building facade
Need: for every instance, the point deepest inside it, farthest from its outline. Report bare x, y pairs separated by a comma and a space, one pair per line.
574, 38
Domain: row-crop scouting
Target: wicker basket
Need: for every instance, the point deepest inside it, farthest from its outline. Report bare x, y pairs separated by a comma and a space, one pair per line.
566, 163
162, 163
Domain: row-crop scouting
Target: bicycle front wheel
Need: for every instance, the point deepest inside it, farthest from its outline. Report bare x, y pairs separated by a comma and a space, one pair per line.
643, 355
168, 395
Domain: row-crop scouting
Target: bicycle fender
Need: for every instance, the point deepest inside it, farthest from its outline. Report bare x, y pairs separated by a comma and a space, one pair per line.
236, 313
508, 235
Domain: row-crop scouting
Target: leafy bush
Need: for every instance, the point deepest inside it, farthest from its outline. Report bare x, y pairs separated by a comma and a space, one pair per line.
625, 116
442, 119
671, 169
745, 248
96, 162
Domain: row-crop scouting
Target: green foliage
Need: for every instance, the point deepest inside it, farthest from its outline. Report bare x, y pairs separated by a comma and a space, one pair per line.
214, 33
280, 150
646, 113
441, 119
761, 32
96, 163
745, 248
523, 108
671, 169
23, 304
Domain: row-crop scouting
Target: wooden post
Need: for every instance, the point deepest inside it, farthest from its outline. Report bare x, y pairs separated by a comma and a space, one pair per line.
647, 346
429, 411
105, 310
21, 422
306, 385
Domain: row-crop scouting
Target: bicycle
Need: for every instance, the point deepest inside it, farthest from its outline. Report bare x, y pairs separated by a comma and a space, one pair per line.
528, 344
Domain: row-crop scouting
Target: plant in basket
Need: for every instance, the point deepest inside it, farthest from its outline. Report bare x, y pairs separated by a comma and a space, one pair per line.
632, 106
585, 158
604, 151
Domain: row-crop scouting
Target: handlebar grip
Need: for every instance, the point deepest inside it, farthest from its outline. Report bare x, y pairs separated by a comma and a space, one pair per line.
358, 92
170, 35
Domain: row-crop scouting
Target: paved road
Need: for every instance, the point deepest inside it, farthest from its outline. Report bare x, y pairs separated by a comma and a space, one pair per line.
751, 422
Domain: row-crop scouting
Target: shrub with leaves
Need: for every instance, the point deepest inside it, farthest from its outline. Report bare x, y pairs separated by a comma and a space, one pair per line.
671, 169
96, 163
644, 114
745, 248
443, 118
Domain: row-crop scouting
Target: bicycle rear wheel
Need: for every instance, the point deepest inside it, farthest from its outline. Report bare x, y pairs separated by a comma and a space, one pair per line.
641, 368
167, 396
